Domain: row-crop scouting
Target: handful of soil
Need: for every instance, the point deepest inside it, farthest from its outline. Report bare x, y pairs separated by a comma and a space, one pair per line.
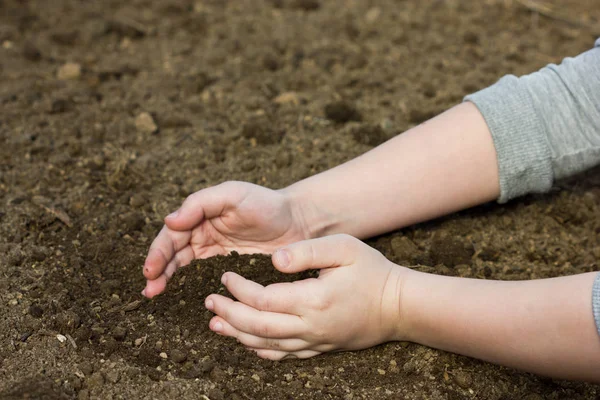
192, 284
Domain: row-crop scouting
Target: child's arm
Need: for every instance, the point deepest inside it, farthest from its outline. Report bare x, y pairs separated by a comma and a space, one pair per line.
528, 132
443, 165
542, 326
361, 299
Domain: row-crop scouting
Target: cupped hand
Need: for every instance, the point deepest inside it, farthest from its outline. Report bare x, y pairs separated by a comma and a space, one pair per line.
231, 216
354, 304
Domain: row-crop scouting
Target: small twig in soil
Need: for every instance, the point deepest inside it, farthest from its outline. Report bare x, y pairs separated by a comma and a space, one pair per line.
58, 214
548, 12
71, 340
134, 305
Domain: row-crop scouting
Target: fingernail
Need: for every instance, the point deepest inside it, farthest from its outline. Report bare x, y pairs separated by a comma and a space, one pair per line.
218, 326
209, 304
144, 292
282, 258
174, 214
224, 279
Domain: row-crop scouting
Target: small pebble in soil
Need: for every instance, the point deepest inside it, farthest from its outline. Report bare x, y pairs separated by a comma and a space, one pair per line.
144, 123
137, 200
287, 98
69, 71
463, 379
341, 112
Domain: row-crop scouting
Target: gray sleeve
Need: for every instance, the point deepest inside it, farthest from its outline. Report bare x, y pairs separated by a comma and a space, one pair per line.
545, 125
596, 301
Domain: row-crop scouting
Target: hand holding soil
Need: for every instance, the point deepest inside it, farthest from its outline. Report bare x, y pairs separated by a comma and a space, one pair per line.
232, 216
354, 304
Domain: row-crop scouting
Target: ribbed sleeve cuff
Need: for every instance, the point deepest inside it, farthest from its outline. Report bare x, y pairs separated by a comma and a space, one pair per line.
596, 301
524, 158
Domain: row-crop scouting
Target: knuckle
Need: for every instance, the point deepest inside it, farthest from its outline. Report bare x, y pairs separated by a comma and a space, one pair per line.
263, 302
262, 329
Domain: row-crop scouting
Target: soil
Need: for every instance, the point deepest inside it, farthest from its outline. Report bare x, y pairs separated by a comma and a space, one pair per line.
113, 112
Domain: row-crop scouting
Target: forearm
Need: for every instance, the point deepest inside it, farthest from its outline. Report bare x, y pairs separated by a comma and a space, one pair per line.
541, 326
444, 165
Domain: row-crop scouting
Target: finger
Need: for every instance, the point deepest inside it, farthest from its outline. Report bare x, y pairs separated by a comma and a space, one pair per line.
162, 250
259, 323
183, 257
155, 287
288, 297
279, 355
205, 204
222, 327
326, 252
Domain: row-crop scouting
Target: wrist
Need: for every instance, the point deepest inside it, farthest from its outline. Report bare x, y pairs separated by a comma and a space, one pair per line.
397, 285
313, 219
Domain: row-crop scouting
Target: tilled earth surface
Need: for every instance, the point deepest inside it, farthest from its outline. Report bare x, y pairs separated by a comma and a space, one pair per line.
112, 112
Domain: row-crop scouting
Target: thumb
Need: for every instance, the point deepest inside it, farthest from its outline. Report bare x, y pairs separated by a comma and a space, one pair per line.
205, 204
326, 252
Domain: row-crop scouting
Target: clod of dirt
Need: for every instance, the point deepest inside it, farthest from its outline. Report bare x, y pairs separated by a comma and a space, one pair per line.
144, 123
283, 159
31, 52
67, 321
306, 5
113, 376
36, 311
216, 394
369, 134
96, 380
60, 106
119, 333
69, 71
126, 27
261, 129
178, 356
342, 112
404, 248
447, 250
419, 115
65, 38
271, 62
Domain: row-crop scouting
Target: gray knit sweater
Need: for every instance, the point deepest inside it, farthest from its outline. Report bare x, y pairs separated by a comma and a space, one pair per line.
546, 126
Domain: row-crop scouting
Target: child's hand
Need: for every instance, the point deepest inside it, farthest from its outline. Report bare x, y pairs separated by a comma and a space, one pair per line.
232, 216
354, 304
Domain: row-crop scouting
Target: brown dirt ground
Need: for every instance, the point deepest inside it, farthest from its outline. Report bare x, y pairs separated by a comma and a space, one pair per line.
83, 192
